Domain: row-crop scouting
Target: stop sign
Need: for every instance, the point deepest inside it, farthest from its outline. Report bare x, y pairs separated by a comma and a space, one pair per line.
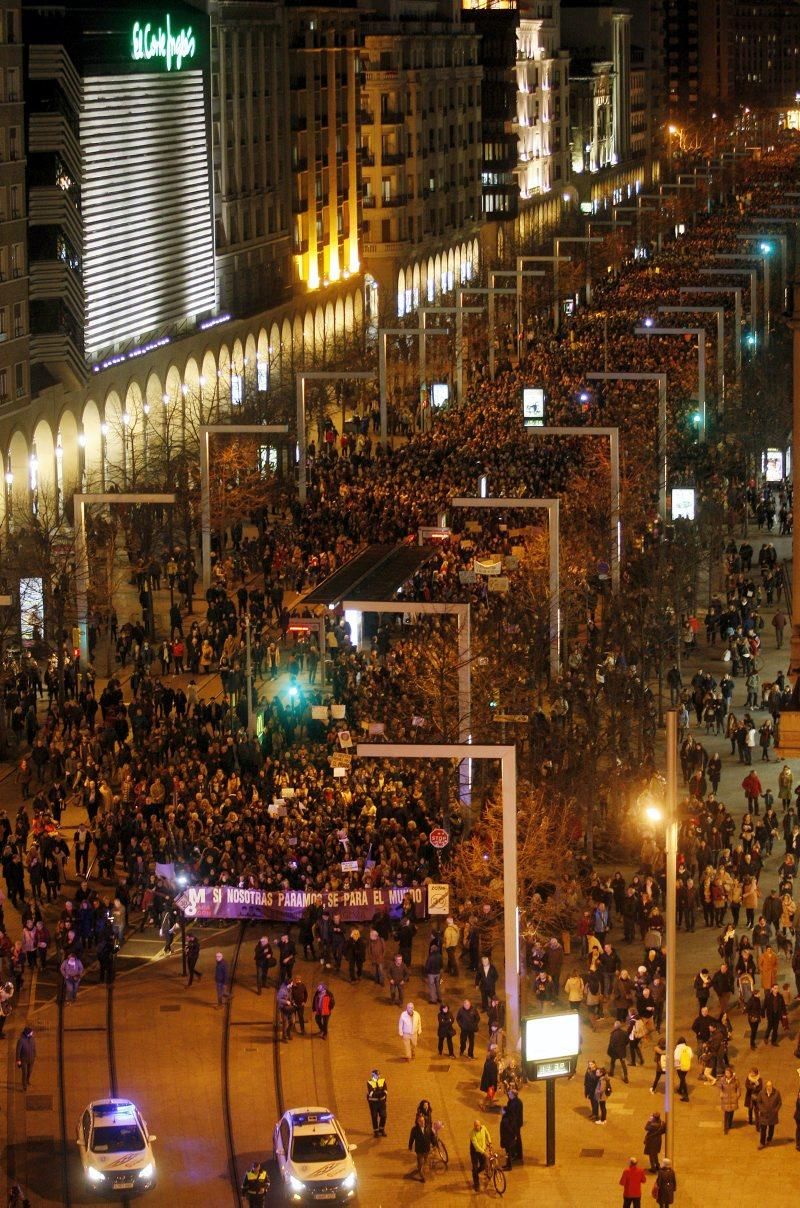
439, 837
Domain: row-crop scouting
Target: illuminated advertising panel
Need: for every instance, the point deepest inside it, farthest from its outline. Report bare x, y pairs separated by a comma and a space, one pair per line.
533, 407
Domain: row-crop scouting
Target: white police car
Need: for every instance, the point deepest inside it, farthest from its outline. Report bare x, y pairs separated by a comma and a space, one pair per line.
313, 1157
115, 1147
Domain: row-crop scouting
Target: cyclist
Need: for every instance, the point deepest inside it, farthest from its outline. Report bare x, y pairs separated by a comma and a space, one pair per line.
480, 1146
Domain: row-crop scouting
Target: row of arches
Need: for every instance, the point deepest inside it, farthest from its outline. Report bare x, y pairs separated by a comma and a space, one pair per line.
124, 434
427, 280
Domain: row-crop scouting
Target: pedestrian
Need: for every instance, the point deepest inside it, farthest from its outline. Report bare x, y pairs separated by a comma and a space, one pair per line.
631, 1181
221, 978
450, 940
489, 1077
433, 973
72, 972
285, 1011
255, 1185
682, 1060
590, 1085
666, 1184
264, 961
445, 1030
420, 1141
511, 1128
377, 1096
322, 1005
486, 980
601, 1093
617, 1049
468, 1020
409, 1029
26, 1055
753, 1086
398, 976
299, 996
192, 957
654, 1131
754, 1012
774, 1014
797, 1119
660, 1058
728, 1098
480, 1144
769, 1106
377, 953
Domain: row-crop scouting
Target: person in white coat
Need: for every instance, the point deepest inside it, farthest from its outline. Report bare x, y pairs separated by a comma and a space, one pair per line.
409, 1029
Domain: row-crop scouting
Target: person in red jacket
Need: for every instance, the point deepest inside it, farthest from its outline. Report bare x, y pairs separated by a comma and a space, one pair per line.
752, 791
631, 1181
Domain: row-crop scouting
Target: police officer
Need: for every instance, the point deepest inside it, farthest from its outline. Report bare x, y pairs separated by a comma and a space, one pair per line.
255, 1185
377, 1095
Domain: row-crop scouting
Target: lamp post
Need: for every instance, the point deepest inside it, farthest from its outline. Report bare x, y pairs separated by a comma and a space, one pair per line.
764, 241
458, 310
588, 240
519, 274
736, 290
700, 334
316, 375
80, 503
552, 507
205, 431
752, 273
661, 443
507, 757
555, 260
719, 311
668, 814
765, 259
612, 434
383, 390
424, 332
490, 294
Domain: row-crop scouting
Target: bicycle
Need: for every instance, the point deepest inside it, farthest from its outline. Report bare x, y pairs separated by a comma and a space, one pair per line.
438, 1152
493, 1172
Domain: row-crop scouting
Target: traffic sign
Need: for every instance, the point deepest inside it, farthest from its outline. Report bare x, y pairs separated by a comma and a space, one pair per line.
439, 837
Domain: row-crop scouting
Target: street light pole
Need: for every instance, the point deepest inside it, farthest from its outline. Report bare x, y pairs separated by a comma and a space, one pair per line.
700, 335
661, 445
671, 853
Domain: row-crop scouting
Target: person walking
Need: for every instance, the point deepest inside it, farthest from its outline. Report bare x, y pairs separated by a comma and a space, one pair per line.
511, 1128
409, 1029
631, 1181
299, 995
420, 1141
255, 1185
398, 976
666, 1184
192, 957
221, 978
654, 1131
769, 1105
753, 1086
445, 1030
617, 1049
480, 1144
728, 1098
590, 1086
264, 961
797, 1119
468, 1020
26, 1055
489, 1077
433, 973
377, 1101
285, 1005
72, 972
754, 1012
682, 1060
774, 1014
450, 940
322, 1005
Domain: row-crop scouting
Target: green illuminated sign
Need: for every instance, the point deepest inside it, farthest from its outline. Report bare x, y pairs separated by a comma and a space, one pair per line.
159, 42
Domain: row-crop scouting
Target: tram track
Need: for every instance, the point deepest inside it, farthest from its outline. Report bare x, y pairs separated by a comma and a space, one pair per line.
69, 1113
245, 1030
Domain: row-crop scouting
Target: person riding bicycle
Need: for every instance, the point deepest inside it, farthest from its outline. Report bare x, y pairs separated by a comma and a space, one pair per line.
480, 1146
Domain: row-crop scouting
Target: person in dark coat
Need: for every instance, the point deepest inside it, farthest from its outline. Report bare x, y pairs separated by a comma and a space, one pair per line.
511, 1128
420, 1141
769, 1105
666, 1184
26, 1056
654, 1131
590, 1085
797, 1121
489, 1076
617, 1049
192, 957
774, 1013
445, 1030
468, 1020
486, 981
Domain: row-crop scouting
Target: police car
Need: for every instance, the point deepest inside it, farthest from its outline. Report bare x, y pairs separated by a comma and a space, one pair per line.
115, 1147
313, 1157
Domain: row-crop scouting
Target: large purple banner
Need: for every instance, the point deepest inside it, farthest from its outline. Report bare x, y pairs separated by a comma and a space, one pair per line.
287, 906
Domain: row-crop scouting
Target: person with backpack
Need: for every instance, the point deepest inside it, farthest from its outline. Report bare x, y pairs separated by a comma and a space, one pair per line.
602, 1092
682, 1060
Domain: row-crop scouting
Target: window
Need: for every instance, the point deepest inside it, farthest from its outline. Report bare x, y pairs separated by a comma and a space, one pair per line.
17, 260
13, 142
19, 379
262, 374
15, 207
3, 385
236, 389
19, 320
3, 322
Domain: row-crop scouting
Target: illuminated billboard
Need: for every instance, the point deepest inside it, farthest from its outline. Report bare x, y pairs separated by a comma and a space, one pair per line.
533, 407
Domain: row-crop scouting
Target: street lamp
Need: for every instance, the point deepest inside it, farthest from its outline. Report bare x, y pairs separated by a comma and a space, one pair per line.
700, 334
668, 814
661, 444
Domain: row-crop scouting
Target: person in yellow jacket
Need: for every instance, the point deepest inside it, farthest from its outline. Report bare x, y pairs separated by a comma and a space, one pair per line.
255, 1185
480, 1144
377, 1096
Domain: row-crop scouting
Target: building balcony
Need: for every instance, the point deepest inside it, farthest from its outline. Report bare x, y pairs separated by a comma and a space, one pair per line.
51, 206
60, 352
399, 199
388, 159
367, 158
51, 279
397, 247
366, 118
391, 117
